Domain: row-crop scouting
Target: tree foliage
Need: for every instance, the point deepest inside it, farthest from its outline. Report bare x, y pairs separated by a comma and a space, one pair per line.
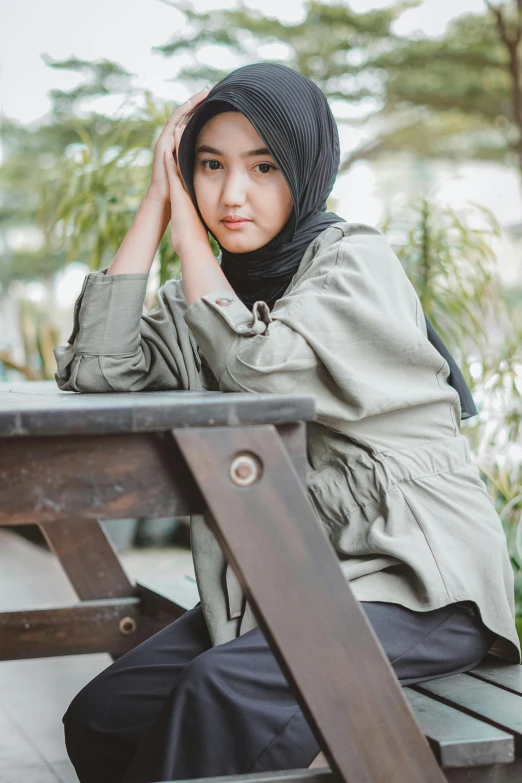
470, 78
454, 97
449, 259
80, 179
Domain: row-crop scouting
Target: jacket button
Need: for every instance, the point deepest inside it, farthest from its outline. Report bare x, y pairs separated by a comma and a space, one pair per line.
223, 302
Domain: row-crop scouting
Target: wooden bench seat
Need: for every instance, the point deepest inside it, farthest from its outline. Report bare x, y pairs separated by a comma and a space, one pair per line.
68, 461
473, 721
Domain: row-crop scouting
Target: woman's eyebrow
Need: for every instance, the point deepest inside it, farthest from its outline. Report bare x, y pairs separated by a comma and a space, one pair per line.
251, 153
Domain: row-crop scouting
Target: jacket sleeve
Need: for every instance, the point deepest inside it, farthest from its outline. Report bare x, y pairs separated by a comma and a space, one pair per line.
347, 322
266, 351
115, 348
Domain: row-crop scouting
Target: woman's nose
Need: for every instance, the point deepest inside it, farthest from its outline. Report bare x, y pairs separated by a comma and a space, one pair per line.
234, 191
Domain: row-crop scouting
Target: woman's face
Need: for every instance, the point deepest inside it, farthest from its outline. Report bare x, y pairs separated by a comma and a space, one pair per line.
235, 176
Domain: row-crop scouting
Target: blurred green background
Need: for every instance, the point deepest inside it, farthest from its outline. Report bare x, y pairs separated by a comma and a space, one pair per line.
428, 99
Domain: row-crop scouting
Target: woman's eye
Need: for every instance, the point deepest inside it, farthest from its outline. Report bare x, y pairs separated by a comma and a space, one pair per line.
269, 165
266, 167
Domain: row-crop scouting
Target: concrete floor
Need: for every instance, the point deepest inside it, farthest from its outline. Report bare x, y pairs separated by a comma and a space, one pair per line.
34, 694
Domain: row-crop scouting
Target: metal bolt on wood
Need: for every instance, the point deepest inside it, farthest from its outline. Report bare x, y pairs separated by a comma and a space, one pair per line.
245, 470
127, 626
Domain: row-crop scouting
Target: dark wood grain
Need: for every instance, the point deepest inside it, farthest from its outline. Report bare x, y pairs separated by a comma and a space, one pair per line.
457, 739
69, 460
40, 408
44, 480
87, 627
339, 672
88, 558
480, 699
93, 477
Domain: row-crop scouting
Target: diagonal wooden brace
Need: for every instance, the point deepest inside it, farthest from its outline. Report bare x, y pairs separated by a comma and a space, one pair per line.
320, 636
89, 559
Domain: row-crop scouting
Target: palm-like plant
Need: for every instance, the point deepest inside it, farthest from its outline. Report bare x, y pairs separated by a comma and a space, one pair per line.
89, 201
453, 268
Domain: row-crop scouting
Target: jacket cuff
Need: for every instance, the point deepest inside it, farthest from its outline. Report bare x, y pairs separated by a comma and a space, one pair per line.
220, 322
107, 313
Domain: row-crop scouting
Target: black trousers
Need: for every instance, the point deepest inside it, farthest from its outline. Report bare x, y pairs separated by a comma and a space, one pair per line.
176, 708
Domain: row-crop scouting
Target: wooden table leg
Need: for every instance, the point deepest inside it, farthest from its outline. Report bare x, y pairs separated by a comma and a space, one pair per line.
315, 626
88, 558
92, 565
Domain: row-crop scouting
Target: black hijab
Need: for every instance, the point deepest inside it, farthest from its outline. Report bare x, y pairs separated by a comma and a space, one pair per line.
293, 118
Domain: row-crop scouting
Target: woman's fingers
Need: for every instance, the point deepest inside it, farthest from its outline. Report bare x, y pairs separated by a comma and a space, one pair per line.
179, 134
168, 143
177, 138
171, 172
180, 117
188, 114
188, 107
171, 161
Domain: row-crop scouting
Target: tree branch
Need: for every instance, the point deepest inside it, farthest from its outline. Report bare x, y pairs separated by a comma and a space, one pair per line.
501, 22
512, 45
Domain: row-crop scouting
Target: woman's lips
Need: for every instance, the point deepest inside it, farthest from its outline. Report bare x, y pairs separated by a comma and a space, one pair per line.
235, 224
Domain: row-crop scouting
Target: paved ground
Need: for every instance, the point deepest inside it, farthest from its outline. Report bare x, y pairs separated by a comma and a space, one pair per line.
35, 693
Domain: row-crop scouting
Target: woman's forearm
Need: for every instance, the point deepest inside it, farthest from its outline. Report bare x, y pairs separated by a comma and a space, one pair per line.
201, 272
141, 243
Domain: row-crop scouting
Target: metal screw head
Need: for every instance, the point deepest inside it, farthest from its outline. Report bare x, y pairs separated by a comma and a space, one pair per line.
223, 302
245, 470
127, 626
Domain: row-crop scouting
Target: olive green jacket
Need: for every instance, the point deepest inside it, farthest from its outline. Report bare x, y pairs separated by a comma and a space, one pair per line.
390, 474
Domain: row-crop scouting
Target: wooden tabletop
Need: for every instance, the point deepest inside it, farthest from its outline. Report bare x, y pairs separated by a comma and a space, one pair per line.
40, 408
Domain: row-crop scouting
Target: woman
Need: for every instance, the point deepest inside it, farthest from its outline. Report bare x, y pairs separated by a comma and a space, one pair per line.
301, 300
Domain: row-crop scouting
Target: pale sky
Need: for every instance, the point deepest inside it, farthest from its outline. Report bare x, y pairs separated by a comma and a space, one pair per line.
126, 30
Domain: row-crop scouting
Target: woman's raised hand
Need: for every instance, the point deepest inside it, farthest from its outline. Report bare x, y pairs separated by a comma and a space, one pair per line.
186, 228
159, 189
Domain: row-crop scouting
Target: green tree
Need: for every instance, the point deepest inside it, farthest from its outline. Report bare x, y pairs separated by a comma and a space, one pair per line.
460, 95
73, 185
454, 97
333, 45
453, 268
78, 180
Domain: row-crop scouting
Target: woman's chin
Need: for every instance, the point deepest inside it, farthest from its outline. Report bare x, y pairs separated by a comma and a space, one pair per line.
237, 244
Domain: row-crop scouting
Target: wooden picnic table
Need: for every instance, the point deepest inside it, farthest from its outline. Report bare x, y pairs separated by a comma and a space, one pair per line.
69, 461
